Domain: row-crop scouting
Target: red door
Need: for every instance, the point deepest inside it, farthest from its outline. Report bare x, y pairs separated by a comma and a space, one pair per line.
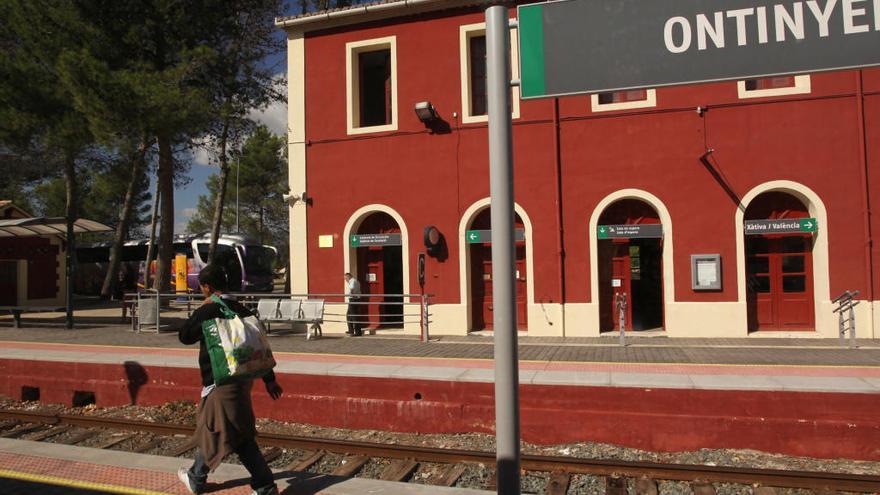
780, 282
621, 284
481, 287
8, 283
371, 276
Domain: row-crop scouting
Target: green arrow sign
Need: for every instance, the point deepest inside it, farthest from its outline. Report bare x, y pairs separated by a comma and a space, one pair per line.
485, 236
355, 240
808, 225
474, 236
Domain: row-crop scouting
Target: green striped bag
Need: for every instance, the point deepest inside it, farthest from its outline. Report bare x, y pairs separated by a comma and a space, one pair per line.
237, 346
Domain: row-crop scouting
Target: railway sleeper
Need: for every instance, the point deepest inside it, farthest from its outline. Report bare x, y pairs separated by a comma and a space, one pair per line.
615, 485
308, 460
399, 470
558, 484
350, 465
21, 430
115, 439
79, 437
51, 432
646, 486
450, 475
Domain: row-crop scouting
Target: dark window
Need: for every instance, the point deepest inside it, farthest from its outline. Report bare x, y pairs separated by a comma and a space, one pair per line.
759, 264
375, 87
760, 283
794, 283
478, 75
793, 264
623, 96
770, 83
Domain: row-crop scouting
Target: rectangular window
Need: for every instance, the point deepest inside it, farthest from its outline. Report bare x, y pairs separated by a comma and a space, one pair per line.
623, 100
478, 75
474, 101
773, 86
375, 90
371, 74
623, 96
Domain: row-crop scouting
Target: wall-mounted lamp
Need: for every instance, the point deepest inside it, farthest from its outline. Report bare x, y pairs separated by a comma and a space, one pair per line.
291, 199
426, 112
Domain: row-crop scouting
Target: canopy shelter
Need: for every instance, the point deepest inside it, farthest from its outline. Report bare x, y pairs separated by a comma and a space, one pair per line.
52, 226
36, 226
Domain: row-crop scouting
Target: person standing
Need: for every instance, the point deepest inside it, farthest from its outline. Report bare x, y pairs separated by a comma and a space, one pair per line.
225, 421
352, 316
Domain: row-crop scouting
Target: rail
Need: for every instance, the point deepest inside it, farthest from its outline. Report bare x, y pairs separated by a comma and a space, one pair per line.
374, 310
819, 481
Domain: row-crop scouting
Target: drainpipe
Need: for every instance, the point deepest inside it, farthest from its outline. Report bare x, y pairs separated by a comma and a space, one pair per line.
560, 249
863, 175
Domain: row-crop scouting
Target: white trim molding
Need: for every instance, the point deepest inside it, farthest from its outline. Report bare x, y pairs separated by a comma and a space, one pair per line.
464, 266
296, 169
352, 83
801, 86
466, 32
821, 285
349, 263
649, 101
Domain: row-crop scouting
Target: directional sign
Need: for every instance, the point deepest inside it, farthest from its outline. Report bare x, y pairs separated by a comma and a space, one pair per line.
583, 46
362, 240
630, 231
485, 236
782, 226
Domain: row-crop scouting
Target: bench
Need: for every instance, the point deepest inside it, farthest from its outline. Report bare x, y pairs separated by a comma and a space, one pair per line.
18, 310
308, 311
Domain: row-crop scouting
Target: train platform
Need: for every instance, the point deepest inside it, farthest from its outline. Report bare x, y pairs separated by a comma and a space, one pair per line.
793, 396
28, 467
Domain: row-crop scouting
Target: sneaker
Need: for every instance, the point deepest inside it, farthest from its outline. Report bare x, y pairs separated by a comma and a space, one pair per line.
273, 491
183, 476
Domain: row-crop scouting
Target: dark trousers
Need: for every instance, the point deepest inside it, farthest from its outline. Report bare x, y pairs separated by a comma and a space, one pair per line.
251, 458
352, 316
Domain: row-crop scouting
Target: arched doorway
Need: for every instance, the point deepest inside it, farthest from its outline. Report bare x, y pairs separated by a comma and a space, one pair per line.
779, 263
377, 246
630, 266
478, 238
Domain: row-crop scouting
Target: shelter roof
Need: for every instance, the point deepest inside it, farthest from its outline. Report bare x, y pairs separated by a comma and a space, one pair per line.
42, 226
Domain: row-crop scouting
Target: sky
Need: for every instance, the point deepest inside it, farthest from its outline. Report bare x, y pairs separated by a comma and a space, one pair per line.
274, 117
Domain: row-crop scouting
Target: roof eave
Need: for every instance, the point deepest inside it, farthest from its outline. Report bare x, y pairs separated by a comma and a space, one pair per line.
370, 12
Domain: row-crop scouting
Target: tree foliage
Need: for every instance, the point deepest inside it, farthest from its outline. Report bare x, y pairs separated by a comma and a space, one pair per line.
261, 183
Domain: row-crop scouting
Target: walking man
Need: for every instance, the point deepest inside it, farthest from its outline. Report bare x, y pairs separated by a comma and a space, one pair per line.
225, 421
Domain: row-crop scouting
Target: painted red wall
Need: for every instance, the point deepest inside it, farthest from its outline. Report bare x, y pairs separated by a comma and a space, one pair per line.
431, 179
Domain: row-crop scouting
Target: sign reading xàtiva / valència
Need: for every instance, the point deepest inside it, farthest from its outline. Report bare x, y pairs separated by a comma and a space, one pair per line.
781, 226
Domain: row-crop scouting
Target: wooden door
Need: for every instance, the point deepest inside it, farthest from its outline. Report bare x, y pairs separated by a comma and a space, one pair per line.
521, 288
481, 286
8, 283
780, 283
371, 273
621, 283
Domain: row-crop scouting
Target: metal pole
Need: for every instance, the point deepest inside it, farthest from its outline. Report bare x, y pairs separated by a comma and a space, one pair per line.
237, 168
502, 216
69, 273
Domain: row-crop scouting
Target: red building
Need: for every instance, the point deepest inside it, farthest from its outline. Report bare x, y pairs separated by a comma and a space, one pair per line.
706, 162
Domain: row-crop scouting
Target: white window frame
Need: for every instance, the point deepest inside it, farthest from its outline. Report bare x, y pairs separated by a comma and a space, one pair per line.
465, 33
649, 101
801, 86
352, 83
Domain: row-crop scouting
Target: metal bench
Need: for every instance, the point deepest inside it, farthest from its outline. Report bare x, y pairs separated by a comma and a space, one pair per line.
312, 314
18, 310
267, 312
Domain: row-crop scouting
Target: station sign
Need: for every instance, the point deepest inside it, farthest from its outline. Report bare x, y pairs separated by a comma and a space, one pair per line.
485, 236
588, 46
363, 240
630, 231
781, 226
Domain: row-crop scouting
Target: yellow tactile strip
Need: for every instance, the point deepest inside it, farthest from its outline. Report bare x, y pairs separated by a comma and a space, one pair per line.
99, 477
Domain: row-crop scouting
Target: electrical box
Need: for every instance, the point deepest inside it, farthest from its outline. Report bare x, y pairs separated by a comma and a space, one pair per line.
706, 271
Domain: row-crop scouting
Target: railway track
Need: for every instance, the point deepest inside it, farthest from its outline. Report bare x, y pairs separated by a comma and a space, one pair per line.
404, 460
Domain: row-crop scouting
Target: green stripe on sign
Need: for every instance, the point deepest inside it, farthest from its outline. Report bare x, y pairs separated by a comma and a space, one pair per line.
531, 50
